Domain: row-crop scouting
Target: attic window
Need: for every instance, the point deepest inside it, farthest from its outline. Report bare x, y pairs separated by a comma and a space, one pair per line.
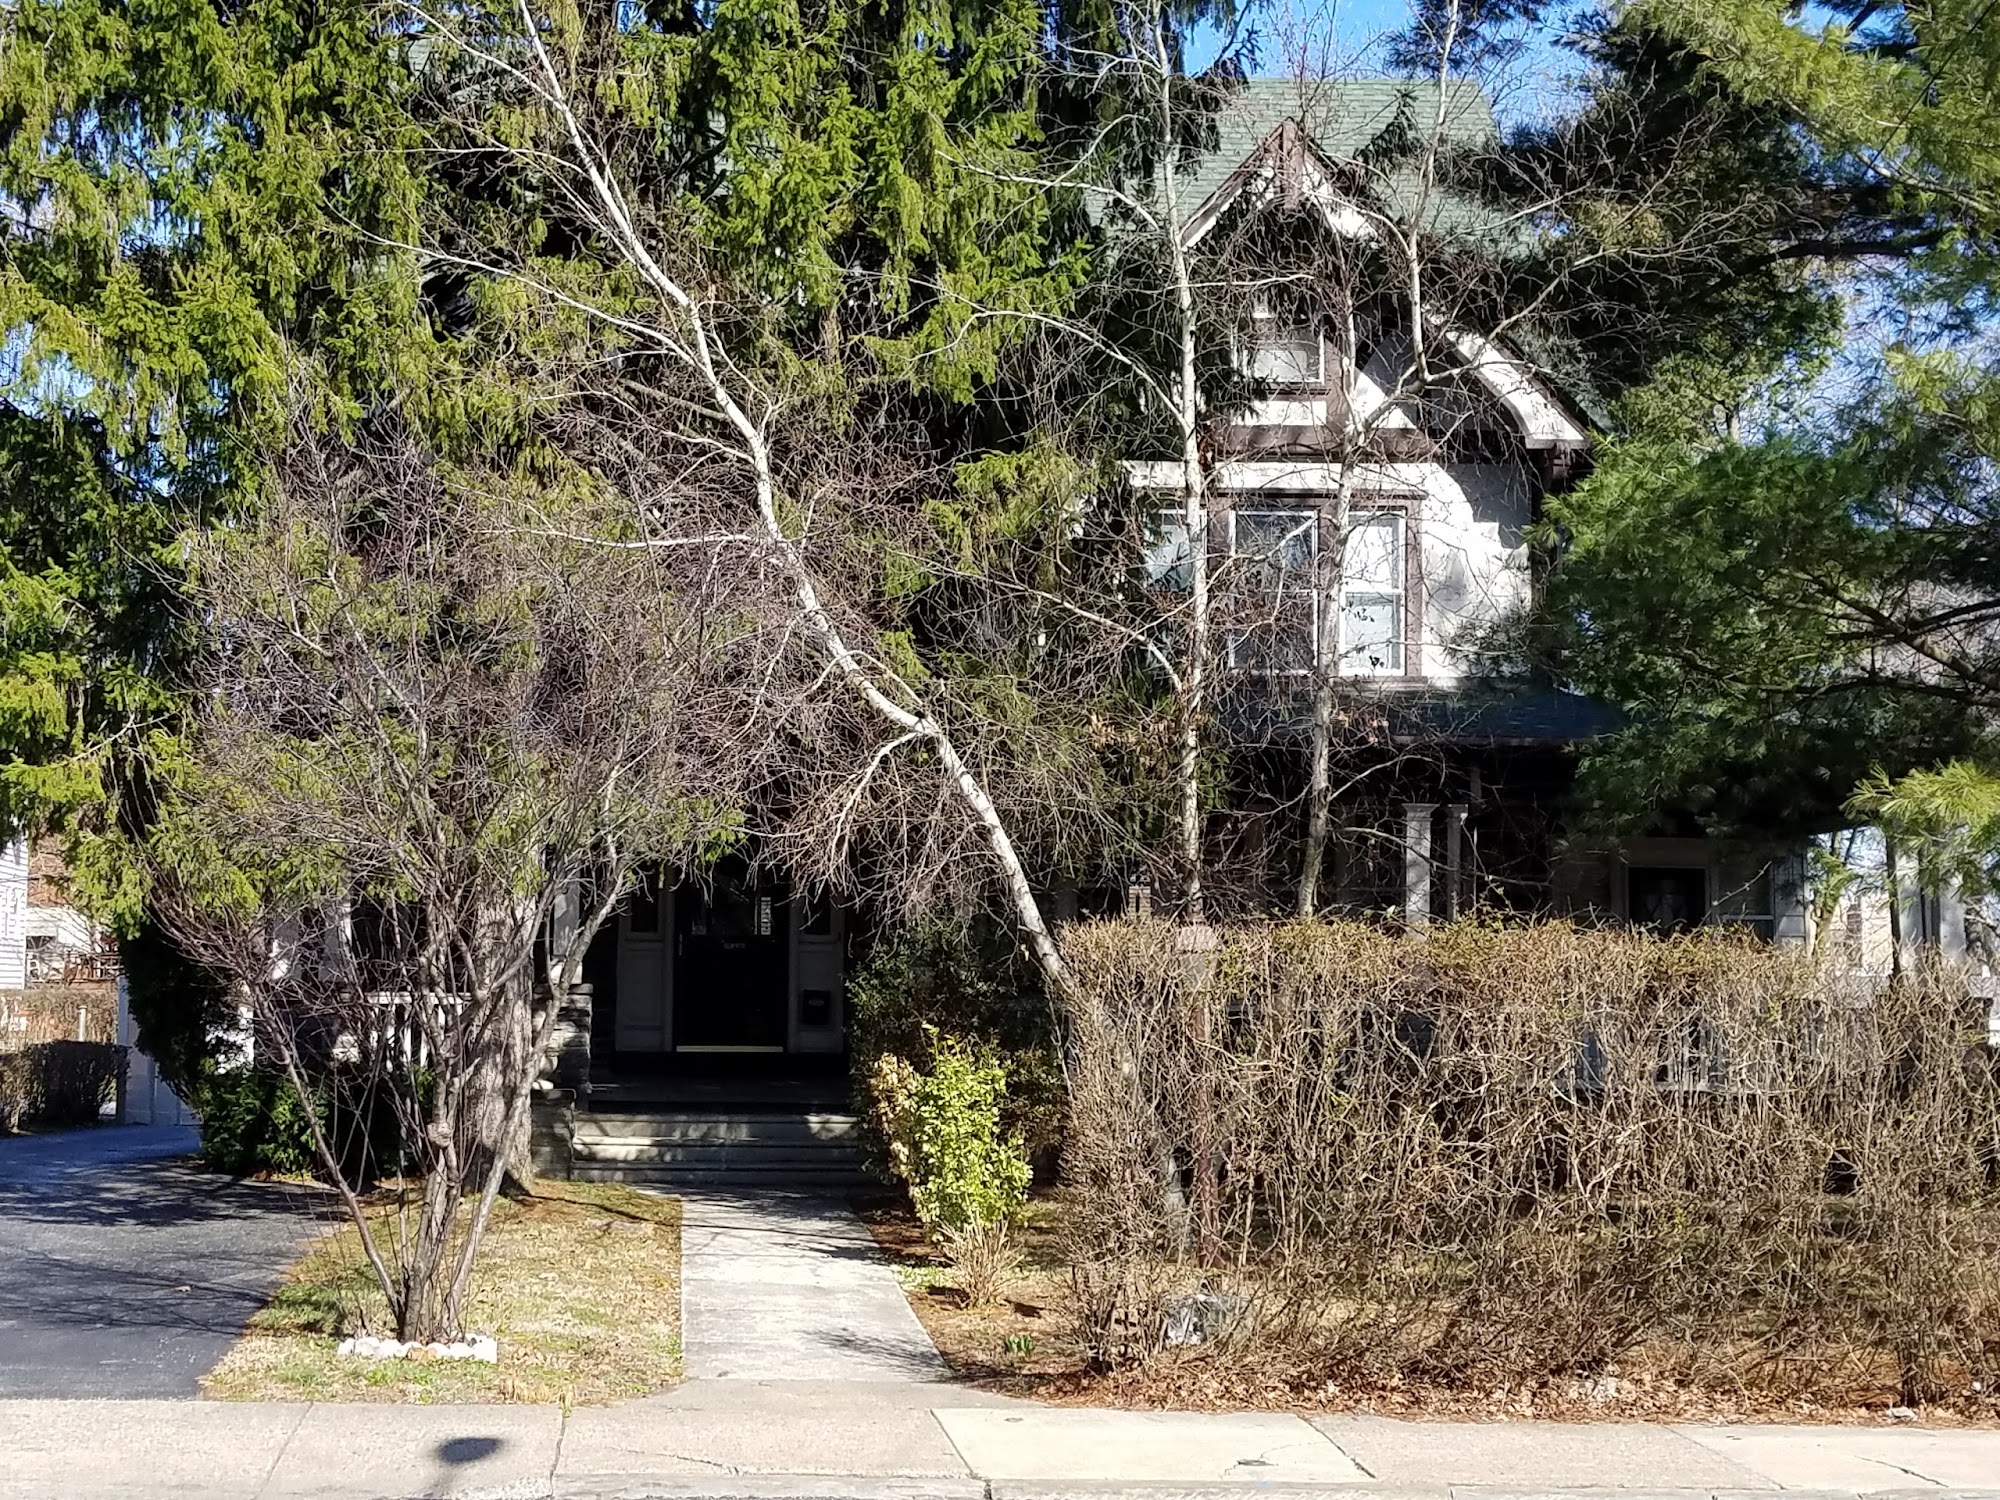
1285, 348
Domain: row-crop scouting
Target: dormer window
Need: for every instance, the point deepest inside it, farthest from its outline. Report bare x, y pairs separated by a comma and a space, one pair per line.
1284, 348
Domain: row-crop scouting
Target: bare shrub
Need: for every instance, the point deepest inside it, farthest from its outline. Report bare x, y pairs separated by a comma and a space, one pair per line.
1495, 1156
984, 1259
441, 733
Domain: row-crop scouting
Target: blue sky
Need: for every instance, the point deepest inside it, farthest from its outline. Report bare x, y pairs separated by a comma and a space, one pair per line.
1345, 38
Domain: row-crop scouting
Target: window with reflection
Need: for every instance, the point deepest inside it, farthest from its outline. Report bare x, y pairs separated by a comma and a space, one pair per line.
1372, 595
1283, 348
1167, 555
1274, 600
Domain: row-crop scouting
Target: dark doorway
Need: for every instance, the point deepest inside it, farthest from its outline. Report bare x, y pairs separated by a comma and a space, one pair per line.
732, 969
1667, 900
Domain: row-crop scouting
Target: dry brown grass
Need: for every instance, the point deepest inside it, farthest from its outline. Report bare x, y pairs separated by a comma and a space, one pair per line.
580, 1284
1013, 1343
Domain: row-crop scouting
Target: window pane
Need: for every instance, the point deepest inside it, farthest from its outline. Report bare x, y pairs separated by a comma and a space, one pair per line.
1745, 893
1283, 644
1374, 555
1666, 900
1280, 542
1371, 632
1286, 356
642, 907
1272, 591
1167, 557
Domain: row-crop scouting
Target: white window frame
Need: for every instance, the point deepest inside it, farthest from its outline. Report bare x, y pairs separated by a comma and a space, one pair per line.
1398, 597
1308, 518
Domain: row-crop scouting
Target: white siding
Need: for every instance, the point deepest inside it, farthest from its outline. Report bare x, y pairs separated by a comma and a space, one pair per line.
63, 925
14, 915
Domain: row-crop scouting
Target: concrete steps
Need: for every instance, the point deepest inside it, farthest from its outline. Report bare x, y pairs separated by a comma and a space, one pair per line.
704, 1147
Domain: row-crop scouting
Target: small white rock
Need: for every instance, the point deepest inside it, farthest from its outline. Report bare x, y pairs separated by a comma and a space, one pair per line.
480, 1346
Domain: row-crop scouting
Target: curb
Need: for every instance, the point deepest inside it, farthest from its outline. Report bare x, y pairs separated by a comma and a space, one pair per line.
859, 1487
766, 1487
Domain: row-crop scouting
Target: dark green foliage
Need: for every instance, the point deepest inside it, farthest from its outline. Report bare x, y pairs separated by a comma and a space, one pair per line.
967, 980
186, 1021
192, 194
55, 1084
1784, 566
1785, 616
252, 1122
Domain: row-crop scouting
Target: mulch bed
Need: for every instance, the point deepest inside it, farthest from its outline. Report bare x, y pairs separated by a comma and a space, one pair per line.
1021, 1347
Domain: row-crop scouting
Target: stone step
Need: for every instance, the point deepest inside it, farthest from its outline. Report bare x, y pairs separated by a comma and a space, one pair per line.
757, 1154
694, 1127
689, 1177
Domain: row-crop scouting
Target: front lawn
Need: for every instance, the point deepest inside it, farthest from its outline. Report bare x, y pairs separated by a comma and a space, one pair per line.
580, 1284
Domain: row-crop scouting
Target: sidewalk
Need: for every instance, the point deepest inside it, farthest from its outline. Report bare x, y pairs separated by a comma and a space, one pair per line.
778, 1286
908, 1440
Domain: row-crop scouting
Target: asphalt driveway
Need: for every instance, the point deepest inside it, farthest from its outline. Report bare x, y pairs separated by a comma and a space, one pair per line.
123, 1272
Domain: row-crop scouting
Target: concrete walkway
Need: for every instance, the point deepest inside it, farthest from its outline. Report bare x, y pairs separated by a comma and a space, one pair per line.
791, 1287
123, 1273
903, 1440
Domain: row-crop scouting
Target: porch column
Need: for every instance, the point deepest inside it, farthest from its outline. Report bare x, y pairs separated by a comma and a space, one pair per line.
1454, 859
1417, 862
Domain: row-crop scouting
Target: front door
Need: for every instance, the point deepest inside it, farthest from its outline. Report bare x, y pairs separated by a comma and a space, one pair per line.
732, 965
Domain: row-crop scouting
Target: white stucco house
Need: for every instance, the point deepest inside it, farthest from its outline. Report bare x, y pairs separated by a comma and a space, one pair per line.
1357, 523
1371, 508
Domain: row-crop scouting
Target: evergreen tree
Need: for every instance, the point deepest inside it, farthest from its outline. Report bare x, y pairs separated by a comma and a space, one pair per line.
1784, 564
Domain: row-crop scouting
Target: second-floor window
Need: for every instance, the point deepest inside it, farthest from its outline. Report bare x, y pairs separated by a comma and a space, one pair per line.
1372, 592
1167, 554
1274, 600
1270, 599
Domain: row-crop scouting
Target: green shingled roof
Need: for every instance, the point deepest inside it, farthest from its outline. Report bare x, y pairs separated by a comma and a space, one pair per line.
1341, 117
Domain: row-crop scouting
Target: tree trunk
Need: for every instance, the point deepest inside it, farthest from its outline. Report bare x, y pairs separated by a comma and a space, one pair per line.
500, 1057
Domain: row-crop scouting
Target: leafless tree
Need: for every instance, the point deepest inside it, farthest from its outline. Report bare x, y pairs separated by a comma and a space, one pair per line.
911, 777
442, 731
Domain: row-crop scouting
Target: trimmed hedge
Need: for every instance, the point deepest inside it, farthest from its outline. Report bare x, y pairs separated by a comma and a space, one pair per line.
58, 1083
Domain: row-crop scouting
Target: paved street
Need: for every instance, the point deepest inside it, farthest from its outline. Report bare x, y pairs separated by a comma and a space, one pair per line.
123, 1273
